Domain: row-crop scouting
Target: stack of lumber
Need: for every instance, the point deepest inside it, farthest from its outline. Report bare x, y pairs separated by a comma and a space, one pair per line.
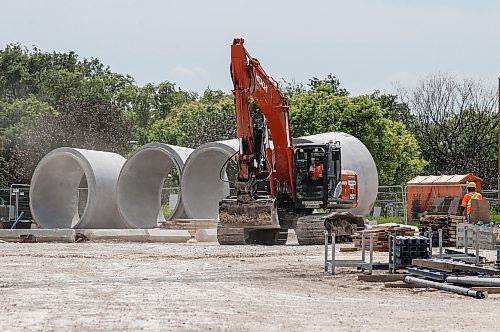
454, 221
380, 234
434, 223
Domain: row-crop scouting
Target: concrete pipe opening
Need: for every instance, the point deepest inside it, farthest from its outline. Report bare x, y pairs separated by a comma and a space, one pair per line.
201, 184
58, 201
355, 157
148, 185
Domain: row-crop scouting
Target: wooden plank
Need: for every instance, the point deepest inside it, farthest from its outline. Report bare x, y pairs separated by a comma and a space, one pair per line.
450, 266
400, 285
348, 249
490, 290
381, 277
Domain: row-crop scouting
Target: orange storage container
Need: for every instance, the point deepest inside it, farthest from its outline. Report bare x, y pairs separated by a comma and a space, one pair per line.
424, 191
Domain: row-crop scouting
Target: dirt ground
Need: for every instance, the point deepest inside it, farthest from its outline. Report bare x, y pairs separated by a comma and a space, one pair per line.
145, 286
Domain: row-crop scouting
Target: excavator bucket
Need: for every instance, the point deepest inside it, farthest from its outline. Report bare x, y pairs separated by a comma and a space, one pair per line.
261, 213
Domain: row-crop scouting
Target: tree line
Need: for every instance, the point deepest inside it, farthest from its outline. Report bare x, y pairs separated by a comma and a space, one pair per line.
49, 99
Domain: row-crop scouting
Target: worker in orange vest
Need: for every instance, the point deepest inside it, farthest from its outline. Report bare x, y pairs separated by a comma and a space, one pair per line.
467, 200
315, 175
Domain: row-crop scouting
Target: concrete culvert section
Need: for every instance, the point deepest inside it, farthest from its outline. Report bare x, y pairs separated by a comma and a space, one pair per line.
201, 184
139, 192
54, 191
357, 158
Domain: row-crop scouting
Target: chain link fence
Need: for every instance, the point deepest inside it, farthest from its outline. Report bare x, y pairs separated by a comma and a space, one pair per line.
391, 204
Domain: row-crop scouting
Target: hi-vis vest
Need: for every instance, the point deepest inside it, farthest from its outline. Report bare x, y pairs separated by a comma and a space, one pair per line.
469, 197
472, 196
317, 171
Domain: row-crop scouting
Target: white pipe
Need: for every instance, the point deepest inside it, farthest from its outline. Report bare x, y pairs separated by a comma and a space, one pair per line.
54, 186
201, 186
141, 180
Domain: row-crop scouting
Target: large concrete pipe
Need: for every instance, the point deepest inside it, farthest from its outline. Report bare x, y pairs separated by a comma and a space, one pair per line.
355, 157
201, 185
141, 181
54, 191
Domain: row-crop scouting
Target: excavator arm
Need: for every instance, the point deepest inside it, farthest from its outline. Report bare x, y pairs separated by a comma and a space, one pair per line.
250, 80
248, 209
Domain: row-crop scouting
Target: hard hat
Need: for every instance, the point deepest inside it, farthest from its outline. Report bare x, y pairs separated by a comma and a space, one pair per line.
471, 185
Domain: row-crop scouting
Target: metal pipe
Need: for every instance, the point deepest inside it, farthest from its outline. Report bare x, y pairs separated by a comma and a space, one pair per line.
391, 254
333, 253
477, 246
371, 255
446, 287
363, 238
440, 242
475, 281
17, 220
431, 236
394, 267
326, 251
498, 256
10, 196
466, 240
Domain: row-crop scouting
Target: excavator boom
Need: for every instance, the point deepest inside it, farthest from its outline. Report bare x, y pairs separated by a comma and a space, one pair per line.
248, 208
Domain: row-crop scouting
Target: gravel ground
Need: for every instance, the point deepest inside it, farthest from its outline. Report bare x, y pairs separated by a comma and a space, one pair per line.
143, 286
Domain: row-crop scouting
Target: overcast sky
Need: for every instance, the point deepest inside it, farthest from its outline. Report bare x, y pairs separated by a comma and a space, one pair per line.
368, 44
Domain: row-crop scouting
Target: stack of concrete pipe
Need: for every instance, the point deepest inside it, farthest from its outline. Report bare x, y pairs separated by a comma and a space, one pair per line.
121, 193
127, 193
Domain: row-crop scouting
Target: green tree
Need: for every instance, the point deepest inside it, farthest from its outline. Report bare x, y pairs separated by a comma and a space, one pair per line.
196, 123
394, 149
455, 122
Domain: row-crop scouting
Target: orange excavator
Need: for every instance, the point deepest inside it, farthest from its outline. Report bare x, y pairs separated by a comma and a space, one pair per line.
279, 185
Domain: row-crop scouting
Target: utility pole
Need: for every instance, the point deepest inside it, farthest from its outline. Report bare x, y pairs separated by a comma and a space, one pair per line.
498, 143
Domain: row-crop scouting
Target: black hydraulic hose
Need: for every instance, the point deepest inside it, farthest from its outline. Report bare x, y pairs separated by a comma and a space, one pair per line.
224, 165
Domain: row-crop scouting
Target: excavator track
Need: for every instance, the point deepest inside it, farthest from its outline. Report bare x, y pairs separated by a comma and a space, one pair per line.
242, 236
267, 237
310, 230
230, 236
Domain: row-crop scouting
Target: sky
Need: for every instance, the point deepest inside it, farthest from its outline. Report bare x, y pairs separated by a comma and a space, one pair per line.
367, 44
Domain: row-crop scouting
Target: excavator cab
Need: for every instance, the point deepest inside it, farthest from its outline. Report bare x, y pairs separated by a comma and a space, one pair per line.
319, 179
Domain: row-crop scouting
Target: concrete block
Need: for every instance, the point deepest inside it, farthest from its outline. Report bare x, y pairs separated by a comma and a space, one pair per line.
168, 235
206, 235
130, 235
39, 235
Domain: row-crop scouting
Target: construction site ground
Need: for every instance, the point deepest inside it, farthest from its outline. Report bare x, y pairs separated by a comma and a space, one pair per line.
103, 286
